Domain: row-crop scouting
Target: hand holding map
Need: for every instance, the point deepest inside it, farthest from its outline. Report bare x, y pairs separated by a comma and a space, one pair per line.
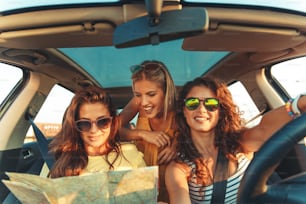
129, 186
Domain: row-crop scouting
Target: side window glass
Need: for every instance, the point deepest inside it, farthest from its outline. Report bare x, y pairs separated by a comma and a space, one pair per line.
9, 78
49, 117
290, 75
133, 122
247, 107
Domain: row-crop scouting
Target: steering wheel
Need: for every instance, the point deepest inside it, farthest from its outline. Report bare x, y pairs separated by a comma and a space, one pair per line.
253, 187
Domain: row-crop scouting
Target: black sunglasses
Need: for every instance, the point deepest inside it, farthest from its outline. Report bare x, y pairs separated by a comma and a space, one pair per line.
85, 125
211, 104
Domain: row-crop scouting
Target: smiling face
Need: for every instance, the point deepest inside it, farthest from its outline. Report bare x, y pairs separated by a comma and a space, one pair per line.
95, 139
201, 120
150, 97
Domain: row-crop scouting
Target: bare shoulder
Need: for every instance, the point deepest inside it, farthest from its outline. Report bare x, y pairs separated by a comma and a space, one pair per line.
177, 183
176, 177
175, 169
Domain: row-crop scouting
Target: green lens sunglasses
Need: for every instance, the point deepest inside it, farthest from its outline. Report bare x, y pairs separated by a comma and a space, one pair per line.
211, 104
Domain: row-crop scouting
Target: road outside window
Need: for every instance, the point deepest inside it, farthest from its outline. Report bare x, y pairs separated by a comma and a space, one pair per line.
245, 103
49, 117
291, 75
9, 78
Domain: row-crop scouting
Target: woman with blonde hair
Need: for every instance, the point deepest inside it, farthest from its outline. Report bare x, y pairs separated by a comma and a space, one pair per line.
154, 100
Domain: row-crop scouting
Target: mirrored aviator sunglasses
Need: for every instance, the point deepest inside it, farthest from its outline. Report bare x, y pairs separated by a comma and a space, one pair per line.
135, 68
85, 125
211, 104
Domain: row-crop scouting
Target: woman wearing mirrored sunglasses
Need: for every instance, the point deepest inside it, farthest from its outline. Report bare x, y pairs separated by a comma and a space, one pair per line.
154, 99
209, 126
88, 141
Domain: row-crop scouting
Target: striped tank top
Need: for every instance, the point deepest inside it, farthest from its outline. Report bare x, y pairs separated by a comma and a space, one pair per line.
202, 194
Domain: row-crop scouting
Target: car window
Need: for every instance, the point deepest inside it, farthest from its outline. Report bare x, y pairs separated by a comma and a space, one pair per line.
49, 117
9, 78
247, 107
290, 75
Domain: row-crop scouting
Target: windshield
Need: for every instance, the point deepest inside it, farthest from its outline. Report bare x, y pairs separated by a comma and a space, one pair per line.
183, 65
294, 5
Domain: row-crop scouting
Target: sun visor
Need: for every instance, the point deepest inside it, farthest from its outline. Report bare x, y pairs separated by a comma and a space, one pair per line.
170, 25
237, 38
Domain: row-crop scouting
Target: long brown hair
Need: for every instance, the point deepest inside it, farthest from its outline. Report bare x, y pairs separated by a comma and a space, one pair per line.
229, 126
157, 72
68, 147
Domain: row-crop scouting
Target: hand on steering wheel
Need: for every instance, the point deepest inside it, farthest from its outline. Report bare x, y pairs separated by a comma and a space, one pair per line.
253, 187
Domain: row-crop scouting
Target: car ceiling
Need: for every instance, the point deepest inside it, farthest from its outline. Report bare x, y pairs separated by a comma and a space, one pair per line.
81, 34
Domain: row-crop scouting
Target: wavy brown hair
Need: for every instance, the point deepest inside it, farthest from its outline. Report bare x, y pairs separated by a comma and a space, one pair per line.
227, 131
157, 72
68, 147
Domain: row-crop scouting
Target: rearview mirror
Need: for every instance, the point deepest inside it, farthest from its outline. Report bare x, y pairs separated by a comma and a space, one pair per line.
171, 25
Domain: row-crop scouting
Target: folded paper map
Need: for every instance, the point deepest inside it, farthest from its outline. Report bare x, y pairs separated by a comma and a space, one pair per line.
113, 187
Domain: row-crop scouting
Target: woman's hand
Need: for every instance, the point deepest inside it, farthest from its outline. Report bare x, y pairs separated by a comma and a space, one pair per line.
159, 138
166, 155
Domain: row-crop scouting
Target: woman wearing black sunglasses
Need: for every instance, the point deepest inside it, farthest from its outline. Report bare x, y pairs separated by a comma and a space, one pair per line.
88, 141
213, 144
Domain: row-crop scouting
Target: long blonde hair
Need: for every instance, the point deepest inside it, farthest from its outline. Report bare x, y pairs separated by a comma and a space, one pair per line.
157, 72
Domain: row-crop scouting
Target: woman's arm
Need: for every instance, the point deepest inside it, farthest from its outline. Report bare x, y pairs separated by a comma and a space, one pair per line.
253, 138
158, 138
176, 183
167, 154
